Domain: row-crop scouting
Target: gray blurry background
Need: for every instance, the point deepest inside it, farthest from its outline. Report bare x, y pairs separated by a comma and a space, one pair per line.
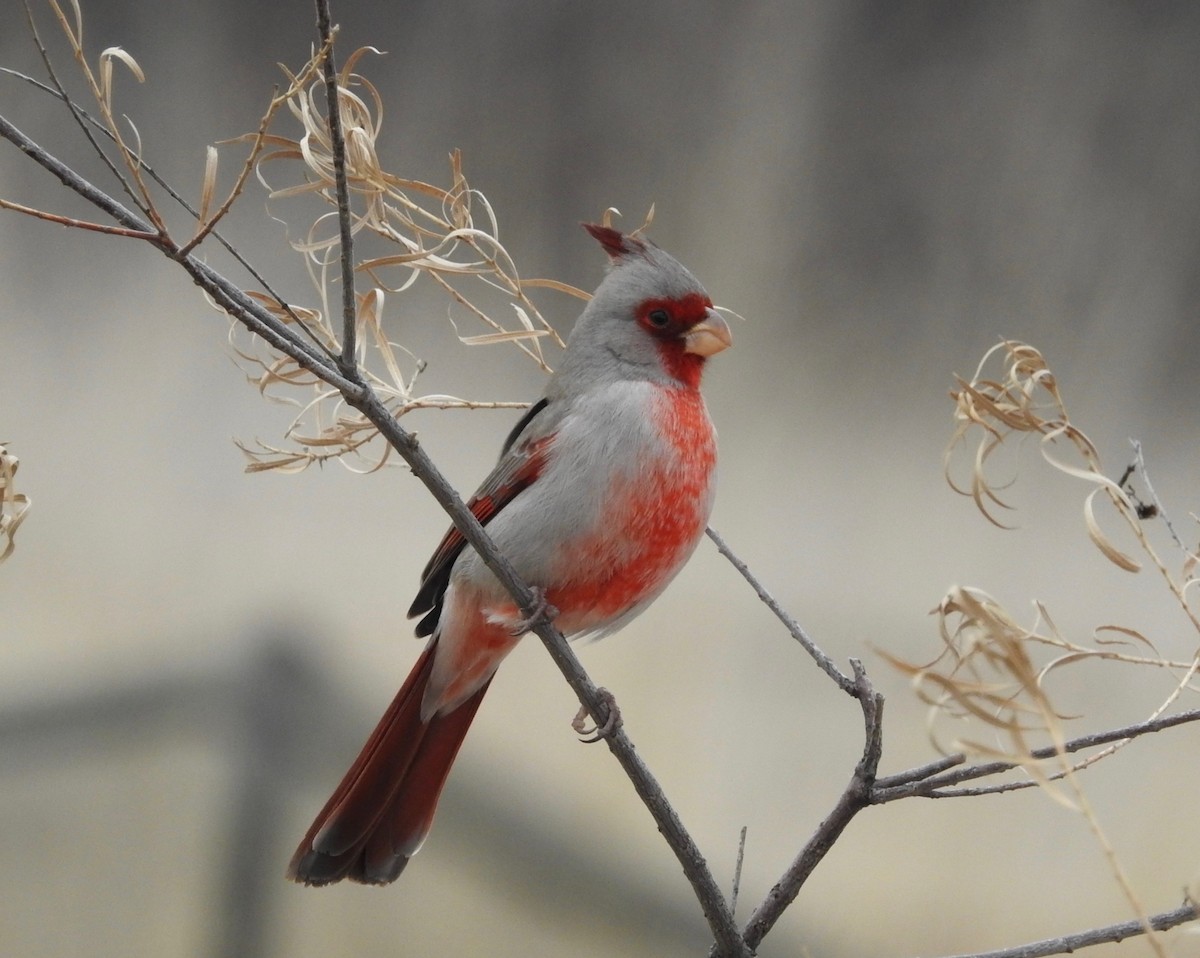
190, 656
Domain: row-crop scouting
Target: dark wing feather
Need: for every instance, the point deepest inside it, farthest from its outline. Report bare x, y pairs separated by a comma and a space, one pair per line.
520, 464
523, 422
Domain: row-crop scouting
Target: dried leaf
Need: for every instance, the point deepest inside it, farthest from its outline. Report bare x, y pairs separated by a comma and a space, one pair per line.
13, 505
209, 187
505, 336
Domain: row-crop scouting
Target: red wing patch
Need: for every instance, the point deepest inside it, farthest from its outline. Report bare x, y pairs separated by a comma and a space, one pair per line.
514, 473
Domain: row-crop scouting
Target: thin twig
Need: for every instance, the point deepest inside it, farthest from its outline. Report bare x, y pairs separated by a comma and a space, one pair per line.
76, 114
935, 779
844, 682
178, 198
1067, 944
78, 224
209, 225
72, 180
258, 143
102, 94
337, 150
855, 797
227, 294
737, 872
1140, 464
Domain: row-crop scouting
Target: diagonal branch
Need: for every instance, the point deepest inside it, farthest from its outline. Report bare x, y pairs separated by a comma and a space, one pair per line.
855, 797
1067, 944
209, 230
716, 910
258, 320
78, 114
73, 181
76, 224
244, 310
844, 682
933, 780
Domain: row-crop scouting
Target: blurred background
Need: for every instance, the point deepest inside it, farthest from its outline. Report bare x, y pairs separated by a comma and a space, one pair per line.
190, 656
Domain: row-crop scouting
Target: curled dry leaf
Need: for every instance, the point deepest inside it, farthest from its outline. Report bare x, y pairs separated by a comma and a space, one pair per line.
13, 505
209, 185
1026, 401
411, 230
106, 71
990, 676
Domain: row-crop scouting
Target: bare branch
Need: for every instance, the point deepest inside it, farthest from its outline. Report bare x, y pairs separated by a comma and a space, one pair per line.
78, 115
737, 872
1068, 944
934, 780
337, 148
77, 224
175, 195
227, 294
712, 901
102, 93
72, 180
207, 224
855, 797
844, 682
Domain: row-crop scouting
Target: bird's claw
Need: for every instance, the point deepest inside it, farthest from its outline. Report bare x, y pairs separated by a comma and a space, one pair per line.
542, 612
611, 724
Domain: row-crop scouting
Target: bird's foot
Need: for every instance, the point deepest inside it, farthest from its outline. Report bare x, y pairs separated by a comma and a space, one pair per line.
541, 612
611, 724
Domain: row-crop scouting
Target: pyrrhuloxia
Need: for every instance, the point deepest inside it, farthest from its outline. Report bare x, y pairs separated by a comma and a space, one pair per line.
601, 494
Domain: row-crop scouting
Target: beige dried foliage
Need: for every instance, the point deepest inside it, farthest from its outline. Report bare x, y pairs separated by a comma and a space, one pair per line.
986, 673
13, 505
991, 669
448, 237
128, 168
1026, 400
991, 674
991, 677
101, 89
414, 230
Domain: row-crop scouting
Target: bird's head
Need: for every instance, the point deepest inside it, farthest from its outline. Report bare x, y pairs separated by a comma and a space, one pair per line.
649, 319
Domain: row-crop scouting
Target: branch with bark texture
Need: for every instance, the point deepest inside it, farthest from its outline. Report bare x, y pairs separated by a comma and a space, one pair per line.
936, 779
346, 378
1068, 944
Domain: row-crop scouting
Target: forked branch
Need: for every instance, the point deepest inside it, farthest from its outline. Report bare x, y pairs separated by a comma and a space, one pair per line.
854, 798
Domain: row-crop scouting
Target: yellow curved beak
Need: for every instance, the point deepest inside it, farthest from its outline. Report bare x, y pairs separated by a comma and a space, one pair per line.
709, 336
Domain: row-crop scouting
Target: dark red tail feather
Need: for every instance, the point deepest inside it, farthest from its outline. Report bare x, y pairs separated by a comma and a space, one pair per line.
380, 813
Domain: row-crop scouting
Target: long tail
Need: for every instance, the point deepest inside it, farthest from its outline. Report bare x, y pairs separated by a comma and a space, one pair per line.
382, 810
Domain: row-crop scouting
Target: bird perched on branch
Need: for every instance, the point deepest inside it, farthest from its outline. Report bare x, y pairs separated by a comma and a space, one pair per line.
601, 494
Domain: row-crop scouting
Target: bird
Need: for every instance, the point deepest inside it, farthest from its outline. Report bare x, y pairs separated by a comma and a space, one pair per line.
602, 491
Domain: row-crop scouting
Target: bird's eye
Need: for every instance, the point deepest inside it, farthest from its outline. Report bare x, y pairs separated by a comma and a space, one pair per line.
658, 318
